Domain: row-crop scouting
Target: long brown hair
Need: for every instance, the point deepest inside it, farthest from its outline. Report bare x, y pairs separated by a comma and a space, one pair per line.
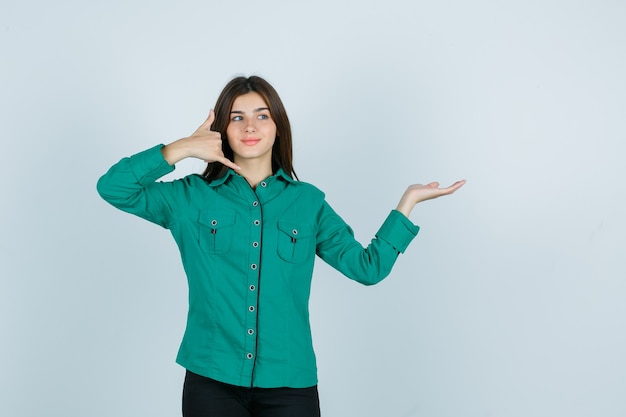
282, 149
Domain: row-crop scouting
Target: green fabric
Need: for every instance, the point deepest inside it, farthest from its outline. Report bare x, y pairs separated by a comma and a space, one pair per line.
249, 260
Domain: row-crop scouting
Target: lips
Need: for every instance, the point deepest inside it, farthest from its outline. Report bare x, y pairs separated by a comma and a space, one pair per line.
250, 141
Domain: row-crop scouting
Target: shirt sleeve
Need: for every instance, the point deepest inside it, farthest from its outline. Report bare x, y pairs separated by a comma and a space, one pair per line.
337, 246
130, 185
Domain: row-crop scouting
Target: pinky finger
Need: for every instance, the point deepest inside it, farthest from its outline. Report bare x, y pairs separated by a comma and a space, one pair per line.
229, 164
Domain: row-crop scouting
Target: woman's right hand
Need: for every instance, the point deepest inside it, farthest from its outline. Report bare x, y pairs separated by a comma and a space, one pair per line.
204, 144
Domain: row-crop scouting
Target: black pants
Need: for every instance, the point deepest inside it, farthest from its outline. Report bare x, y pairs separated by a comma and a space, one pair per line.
205, 397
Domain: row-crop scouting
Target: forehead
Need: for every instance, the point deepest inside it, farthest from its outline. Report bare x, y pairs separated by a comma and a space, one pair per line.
250, 101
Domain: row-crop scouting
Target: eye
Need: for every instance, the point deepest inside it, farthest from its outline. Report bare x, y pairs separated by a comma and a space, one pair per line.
263, 116
236, 118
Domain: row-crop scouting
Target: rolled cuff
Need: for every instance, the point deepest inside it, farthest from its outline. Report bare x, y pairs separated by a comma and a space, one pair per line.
149, 165
398, 231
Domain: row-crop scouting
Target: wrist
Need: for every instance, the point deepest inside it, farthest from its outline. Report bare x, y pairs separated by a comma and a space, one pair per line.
405, 207
174, 152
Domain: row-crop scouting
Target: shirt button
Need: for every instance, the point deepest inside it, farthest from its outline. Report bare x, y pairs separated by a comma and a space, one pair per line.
252, 288
250, 332
263, 184
253, 266
256, 203
214, 222
295, 232
255, 244
257, 222
251, 308
249, 356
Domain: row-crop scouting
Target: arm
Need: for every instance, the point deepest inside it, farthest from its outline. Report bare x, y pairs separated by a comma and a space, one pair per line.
131, 186
337, 246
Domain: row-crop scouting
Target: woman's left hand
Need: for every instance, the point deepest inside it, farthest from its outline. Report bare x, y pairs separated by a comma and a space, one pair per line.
417, 193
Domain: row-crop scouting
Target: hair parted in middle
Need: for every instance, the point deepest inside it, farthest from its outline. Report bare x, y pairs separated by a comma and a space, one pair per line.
282, 149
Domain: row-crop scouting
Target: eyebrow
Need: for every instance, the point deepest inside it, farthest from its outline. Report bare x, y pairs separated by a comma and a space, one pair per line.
254, 111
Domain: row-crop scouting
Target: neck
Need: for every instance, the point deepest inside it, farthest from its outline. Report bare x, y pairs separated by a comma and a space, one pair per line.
254, 171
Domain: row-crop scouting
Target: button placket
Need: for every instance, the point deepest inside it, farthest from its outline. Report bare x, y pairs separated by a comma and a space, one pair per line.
254, 260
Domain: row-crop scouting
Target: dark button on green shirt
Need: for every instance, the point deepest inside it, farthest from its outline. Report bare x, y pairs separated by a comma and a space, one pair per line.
248, 255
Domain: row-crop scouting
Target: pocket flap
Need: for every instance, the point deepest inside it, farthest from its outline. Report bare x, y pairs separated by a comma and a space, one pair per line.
296, 230
216, 220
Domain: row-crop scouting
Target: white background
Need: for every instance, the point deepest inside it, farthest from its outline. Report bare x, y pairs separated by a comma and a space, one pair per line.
510, 302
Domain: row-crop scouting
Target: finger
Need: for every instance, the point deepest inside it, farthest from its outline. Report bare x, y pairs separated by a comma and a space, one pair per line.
209, 120
433, 185
229, 163
458, 184
455, 186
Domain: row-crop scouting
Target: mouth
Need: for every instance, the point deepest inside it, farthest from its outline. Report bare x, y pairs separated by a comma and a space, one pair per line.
250, 141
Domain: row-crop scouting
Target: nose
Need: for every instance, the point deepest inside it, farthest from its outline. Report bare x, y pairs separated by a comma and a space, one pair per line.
250, 127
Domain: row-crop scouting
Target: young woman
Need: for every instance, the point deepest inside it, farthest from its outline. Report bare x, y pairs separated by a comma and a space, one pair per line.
248, 233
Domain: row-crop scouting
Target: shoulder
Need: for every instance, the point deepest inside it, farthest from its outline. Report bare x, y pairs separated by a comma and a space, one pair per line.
194, 180
308, 189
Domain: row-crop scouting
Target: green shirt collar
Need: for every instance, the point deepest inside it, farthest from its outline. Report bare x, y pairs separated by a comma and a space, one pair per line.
279, 174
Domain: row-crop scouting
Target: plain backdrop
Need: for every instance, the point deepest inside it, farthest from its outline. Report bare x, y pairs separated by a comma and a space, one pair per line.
510, 302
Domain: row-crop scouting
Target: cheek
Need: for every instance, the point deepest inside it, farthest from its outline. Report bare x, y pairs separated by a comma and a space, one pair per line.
272, 129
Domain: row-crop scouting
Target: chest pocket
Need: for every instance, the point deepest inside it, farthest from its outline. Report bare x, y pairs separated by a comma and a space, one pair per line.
296, 241
216, 230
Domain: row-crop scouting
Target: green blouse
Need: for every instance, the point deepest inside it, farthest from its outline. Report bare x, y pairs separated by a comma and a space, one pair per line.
248, 255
